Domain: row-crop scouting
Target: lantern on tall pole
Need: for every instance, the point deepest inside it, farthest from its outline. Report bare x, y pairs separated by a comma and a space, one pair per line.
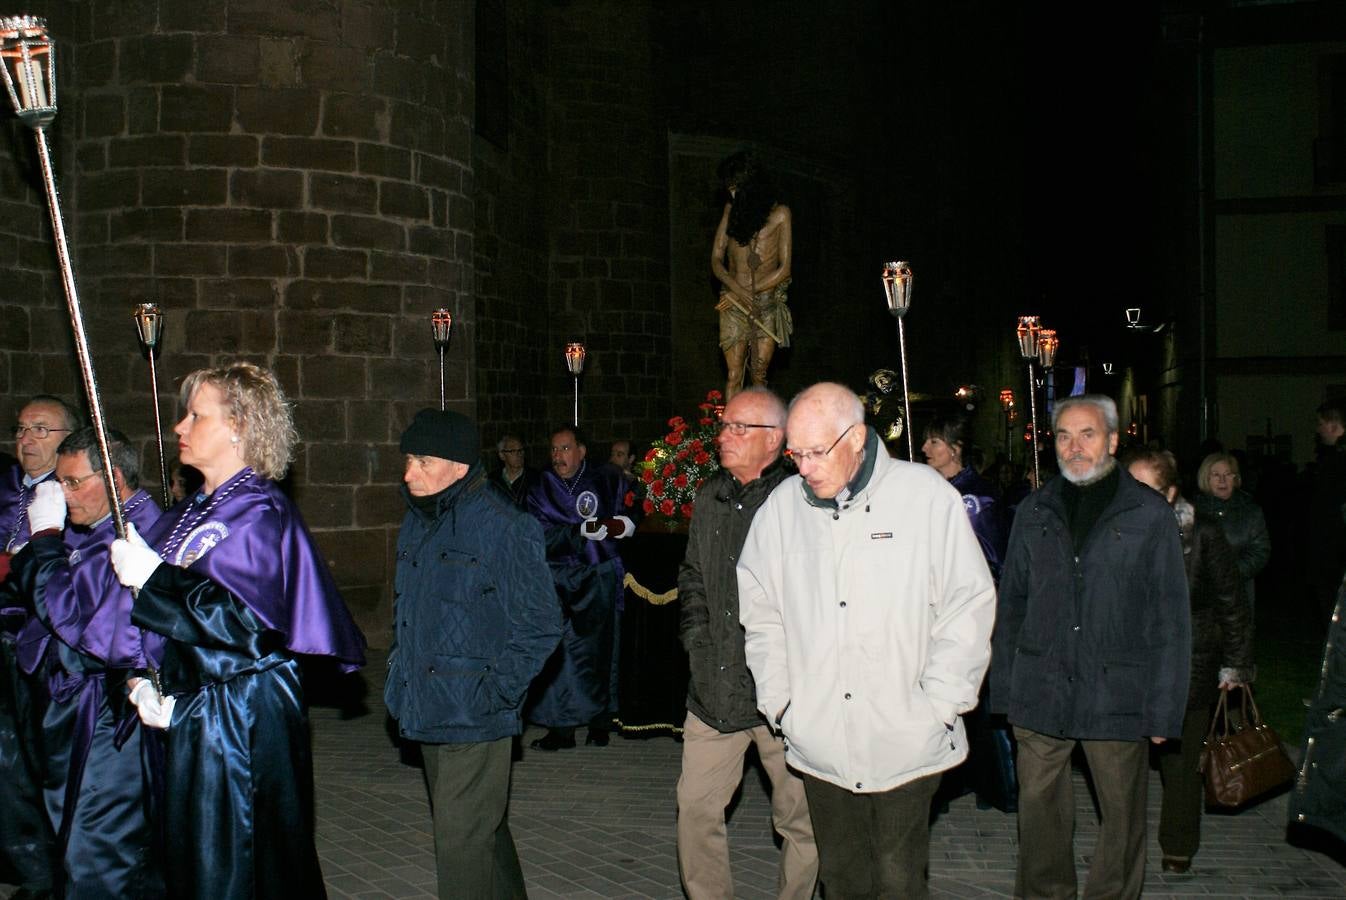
441, 324
897, 282
28, 67
149, 327
575, 355
1028, 330
1007, 407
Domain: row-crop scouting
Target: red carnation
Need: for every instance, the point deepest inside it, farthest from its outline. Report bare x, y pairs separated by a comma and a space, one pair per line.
667, 507
682, 455
701, 458
673, 438
714, 396
687, 510
697, 445
630, 498
707, 421
668, 470
647, 476
648, 506
675, 422
680, 481
657, 489
651, 455
699, 482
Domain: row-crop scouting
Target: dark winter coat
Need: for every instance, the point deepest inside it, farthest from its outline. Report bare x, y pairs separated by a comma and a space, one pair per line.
1319, 797
1095, 646
721, 692
475, 615
1222, 624
1246, 529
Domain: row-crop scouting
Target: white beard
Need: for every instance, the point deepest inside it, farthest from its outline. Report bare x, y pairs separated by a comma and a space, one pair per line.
1094, 474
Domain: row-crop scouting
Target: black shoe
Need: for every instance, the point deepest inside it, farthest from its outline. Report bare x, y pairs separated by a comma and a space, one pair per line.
597, 737
554, 740
1177, 865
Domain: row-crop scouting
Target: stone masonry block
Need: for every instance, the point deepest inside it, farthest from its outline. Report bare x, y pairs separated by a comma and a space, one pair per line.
336, 463
147, 150
334, 67
294, 18
14, 333
262, 261
227, 59
301, 228
199, 16
343, 193
308, 153
363, 334
368, 420
184, 187
212, 331
364, 231
325, 506
343, 295
267, 188
352, 116
393, 162
155, 58
240, 293
230, 225
329, 262
222, 150
335, 377
146, 224
104, 114
189, 259
406, 201
304, 332
196, 108
407, 268
292, 111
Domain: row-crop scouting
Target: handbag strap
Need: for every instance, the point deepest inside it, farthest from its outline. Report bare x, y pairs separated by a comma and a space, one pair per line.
1248, 700
1220, 718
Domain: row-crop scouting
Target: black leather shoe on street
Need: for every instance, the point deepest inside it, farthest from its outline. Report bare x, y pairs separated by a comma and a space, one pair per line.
1177, 865
597, 737
553, 741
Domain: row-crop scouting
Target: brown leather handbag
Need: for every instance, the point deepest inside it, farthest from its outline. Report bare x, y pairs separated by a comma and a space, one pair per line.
1242, 761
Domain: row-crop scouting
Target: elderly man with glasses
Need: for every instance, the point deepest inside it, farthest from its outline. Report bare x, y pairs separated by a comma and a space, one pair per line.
867, 608
514, 477
81, 643
722, 717
27, 843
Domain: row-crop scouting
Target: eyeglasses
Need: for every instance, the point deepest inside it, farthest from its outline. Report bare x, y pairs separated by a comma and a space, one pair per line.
39, 431
799, 457
71, 483
738, 429
515, 450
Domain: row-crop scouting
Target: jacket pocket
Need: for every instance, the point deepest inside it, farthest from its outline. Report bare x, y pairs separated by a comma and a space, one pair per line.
454, 693
1030, 679
1121, 689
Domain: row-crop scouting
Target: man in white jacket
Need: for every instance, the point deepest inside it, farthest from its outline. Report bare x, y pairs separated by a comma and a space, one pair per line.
868, 610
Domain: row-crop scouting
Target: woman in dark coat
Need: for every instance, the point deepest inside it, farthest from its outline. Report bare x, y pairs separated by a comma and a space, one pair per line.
1319, 797
1244, 526
989, 768
1221, 654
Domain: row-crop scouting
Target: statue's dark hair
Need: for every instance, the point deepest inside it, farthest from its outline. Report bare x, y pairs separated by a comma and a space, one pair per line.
755, 195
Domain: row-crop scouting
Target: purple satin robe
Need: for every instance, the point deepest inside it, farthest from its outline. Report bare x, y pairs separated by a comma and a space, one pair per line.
593, 493
248, 538
15, 497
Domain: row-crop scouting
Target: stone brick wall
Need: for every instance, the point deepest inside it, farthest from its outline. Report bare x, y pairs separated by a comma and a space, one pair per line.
291, 181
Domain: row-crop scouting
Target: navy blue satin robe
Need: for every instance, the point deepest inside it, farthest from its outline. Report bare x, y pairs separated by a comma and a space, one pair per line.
244, 593
27, 842
576, 686
98, 781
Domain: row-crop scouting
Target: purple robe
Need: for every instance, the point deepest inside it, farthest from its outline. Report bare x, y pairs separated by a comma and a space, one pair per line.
15, 497
248, 538
578, 683
97, 782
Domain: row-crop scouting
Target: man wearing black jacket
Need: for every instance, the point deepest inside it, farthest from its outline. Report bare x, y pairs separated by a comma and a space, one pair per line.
722, 719
1092, 646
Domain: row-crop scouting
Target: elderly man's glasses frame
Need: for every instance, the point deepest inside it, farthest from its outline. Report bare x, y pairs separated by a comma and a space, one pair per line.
798, 457
738, 429
39, 431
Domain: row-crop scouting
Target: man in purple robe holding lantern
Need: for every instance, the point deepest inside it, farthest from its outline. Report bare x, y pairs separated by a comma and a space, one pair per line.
81, 640
583, 516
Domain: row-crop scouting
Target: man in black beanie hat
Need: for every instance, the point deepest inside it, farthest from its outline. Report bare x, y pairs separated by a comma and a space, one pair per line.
475, 616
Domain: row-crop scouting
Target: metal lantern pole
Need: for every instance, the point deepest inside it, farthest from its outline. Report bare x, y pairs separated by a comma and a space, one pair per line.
28, 58
441, 324
1028, 330
1007, 407
897, 281
575, 354
149, 325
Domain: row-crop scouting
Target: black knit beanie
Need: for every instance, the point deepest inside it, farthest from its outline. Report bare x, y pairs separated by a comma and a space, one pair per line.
443, 433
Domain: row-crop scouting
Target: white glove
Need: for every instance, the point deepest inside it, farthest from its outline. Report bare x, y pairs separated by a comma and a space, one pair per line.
597, 534
47, 510
155, 710
628, 527
133, 560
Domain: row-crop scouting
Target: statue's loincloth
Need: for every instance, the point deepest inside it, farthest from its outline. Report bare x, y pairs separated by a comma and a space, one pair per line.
769, 307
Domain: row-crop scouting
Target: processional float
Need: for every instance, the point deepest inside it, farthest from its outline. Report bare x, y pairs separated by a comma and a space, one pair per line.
29, 72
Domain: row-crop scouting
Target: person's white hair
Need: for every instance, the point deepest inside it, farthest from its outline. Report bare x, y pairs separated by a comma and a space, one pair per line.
838, 402
1103, 403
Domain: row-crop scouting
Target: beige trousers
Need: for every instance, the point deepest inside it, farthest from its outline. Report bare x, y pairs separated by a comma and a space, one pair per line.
712, 768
